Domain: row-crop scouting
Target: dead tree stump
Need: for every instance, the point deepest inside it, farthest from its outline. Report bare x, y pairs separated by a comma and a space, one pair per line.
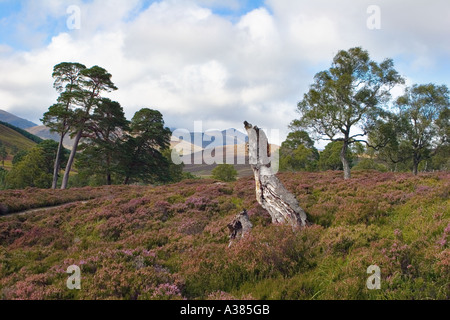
282, 205
239, 226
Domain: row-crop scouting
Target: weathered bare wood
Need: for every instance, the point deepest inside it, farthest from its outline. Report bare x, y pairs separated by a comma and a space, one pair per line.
239, 226
282, 205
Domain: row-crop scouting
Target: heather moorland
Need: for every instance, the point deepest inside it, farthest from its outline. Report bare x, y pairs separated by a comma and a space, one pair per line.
171, 242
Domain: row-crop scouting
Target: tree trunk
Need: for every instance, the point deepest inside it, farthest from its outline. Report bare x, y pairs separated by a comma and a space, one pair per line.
108, 171
239, 226
416, 162
282, 206
65, 181
57, 166
345, 162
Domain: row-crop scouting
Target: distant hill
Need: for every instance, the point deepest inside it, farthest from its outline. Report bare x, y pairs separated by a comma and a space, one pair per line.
15, 120
200, 144
240, 160
208, 139
198, 141
44, 133
13, 140
184, 147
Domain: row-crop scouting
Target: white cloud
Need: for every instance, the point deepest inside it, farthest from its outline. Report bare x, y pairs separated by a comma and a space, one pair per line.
192, 64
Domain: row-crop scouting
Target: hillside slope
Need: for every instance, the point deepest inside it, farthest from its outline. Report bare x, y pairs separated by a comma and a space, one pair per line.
15, 120
171, 242
239, 158
13, 140
43, 132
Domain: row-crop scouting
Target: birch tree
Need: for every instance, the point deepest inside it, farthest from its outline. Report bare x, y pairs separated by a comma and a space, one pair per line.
344, 100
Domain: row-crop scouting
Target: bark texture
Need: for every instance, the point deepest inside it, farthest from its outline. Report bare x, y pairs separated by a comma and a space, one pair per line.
239, 226
345, 162
70, 162
271, 194
57, 166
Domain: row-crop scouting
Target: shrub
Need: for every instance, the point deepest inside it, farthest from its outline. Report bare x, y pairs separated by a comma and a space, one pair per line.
225, 172
370, 164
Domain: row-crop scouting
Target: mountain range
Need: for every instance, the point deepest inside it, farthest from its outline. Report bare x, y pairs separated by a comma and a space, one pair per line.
194, 145
15, 120
192, 142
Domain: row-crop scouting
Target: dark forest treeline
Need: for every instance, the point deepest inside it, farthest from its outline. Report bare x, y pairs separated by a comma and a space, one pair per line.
26, 134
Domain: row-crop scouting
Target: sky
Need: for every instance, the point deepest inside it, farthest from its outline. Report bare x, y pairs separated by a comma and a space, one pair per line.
216, 61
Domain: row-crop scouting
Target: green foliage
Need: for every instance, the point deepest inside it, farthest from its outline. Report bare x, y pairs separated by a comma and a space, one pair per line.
3, 154
35, 168
370, 164
349, 95
298, 138
29, 172
101, 148
61, 116
19, 157
421, 109
49, 149
117, 151
330, 157
81, 92
174, 172
225, 172
300, 159
141, 156
113, 148
418, 131
441, 159
298, 153
190, 176
3, 174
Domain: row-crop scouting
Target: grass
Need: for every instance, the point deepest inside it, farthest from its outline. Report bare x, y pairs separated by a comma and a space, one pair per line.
12, 139
171, 242
12, 201
205, 171
8, 165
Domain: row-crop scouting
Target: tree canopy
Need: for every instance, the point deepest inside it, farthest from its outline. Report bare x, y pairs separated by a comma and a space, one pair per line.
92, 84
225, 172
142, 155
344, 100
103, 136
298, 153
35, 168
59, 117
418, 129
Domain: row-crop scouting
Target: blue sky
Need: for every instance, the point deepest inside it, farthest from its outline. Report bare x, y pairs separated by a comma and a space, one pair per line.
216, 61
12, 14
9, 7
